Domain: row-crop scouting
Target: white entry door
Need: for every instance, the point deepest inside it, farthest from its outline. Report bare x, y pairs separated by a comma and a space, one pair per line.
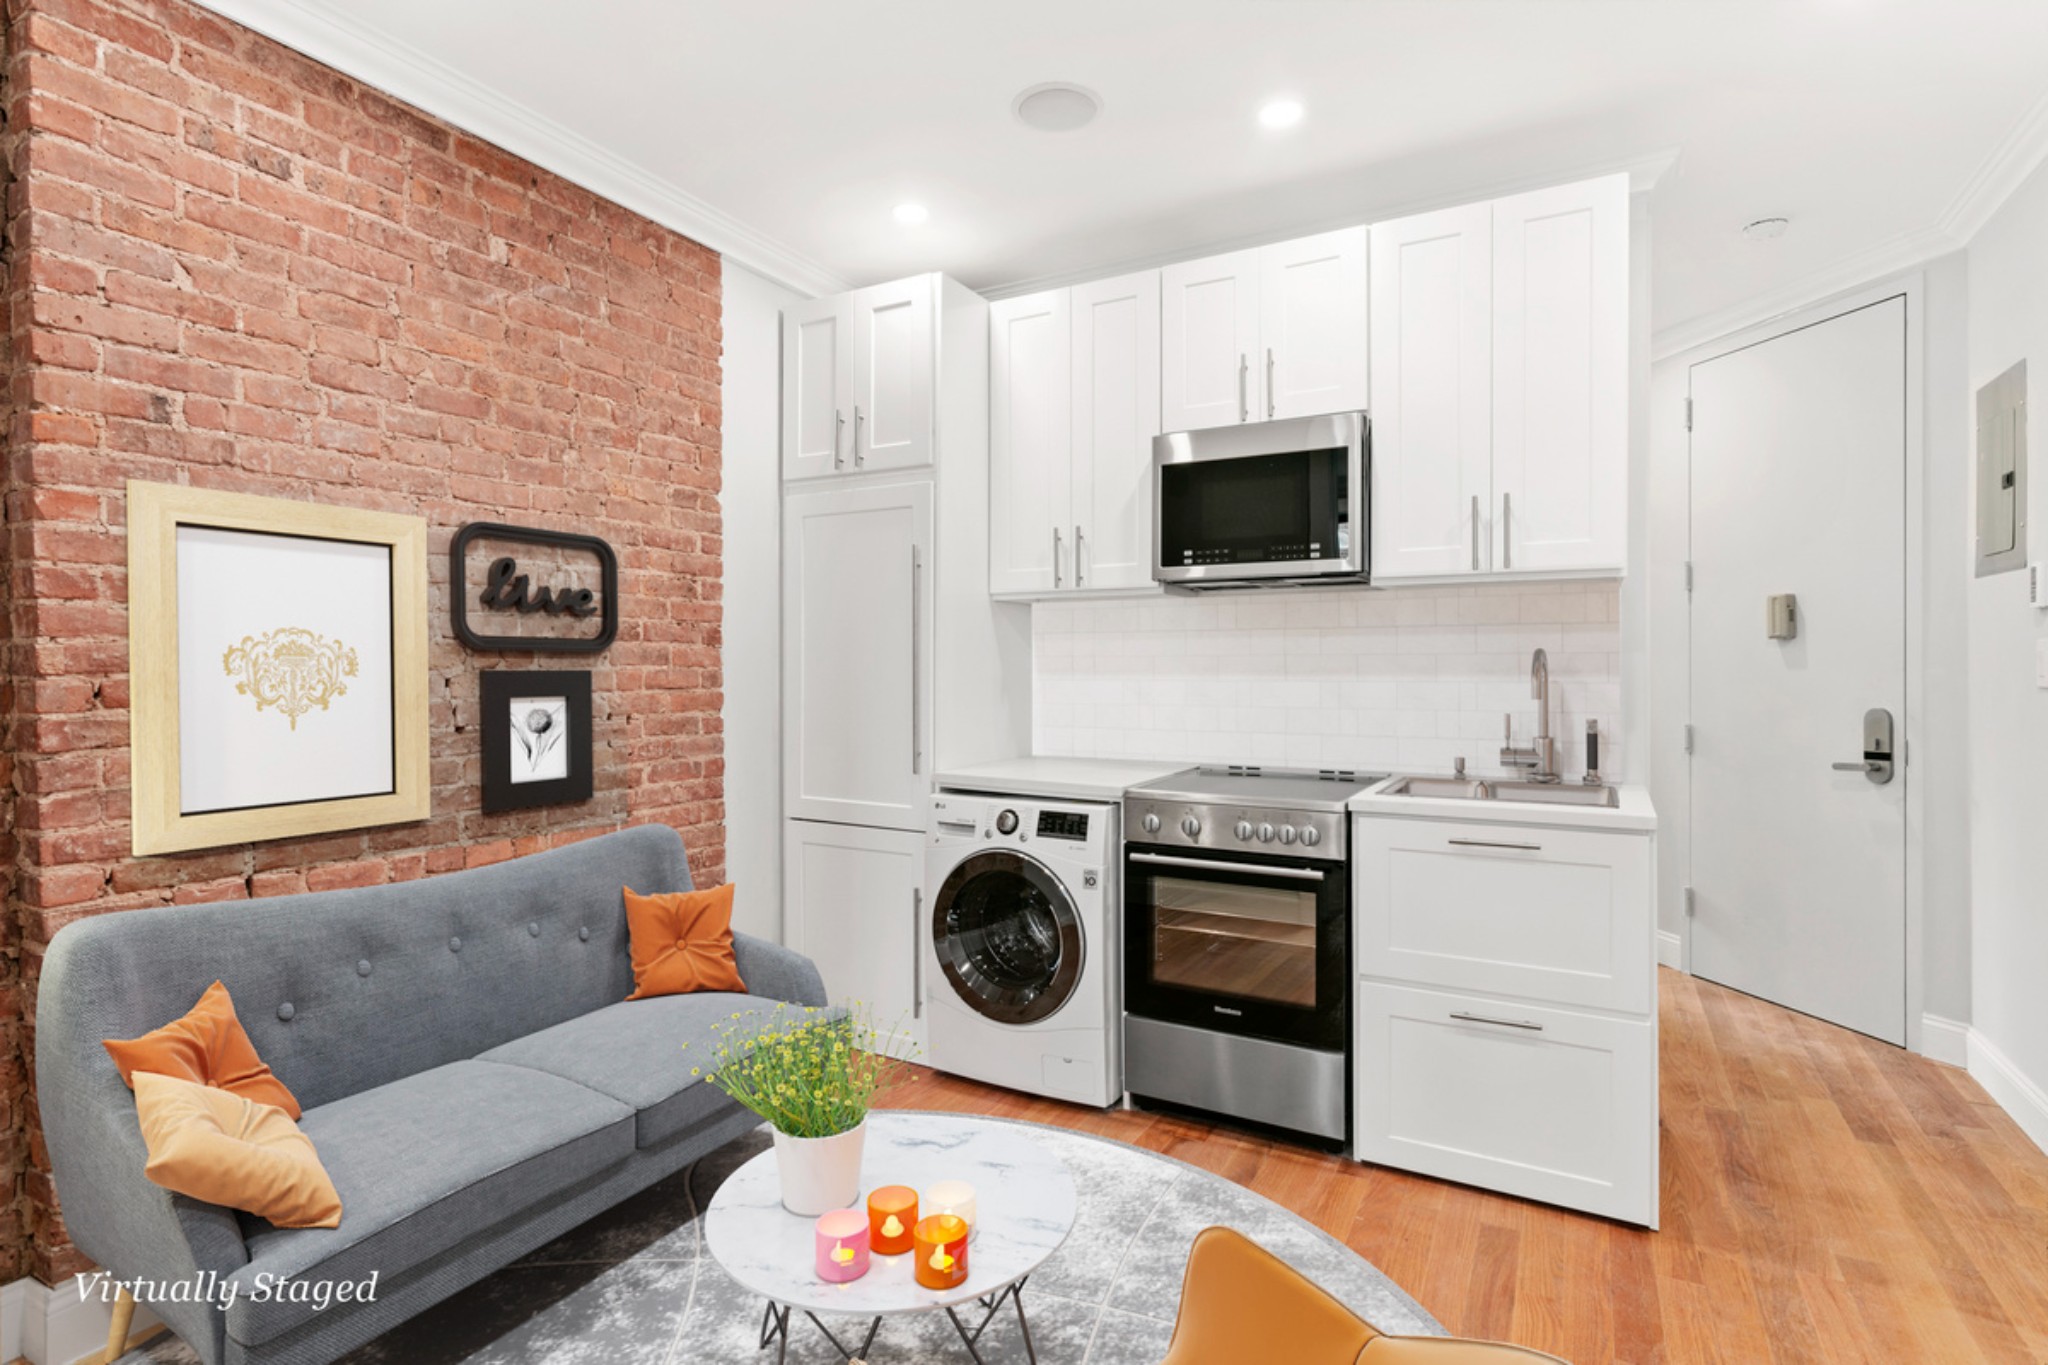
1798, 486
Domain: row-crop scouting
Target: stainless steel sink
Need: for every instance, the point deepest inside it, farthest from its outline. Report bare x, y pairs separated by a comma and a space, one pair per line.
1536, 793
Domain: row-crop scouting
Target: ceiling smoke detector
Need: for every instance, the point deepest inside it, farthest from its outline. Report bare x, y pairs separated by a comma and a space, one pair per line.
1057, 107
1766, 229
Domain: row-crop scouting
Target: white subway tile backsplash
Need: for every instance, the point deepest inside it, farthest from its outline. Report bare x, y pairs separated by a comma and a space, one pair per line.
1408, 678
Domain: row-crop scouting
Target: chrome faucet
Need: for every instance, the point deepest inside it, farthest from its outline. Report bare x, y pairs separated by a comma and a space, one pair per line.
1541, 755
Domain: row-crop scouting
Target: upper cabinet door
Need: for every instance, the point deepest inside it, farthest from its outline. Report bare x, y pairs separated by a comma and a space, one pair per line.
1432, 331
1030, 461
1116, 415
1312, 329
1210, 375
817, 386
857, 655
1560, 377
894, 376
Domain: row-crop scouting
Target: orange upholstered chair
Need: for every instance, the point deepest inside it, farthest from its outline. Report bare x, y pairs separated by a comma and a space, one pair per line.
1241, 1303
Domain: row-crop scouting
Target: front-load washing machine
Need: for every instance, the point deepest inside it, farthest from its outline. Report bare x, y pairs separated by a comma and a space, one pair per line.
1022, 981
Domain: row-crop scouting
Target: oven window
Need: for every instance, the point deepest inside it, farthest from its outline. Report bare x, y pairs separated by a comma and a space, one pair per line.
1251, 942
1253, 509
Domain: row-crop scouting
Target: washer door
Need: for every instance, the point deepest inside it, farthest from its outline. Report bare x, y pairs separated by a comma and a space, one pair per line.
1008, 937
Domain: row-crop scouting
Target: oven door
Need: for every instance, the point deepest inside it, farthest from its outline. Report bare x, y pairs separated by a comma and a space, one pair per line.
1239, 943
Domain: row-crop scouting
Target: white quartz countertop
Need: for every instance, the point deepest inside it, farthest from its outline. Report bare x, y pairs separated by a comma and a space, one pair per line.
1634, 814
1079, 779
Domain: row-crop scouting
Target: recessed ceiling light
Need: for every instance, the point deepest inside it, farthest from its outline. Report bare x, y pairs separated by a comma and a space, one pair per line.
1766, 229
1280, 113
1057, 107
910, 215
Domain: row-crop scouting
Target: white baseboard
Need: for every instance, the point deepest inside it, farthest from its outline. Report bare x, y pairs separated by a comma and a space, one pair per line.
59, 1326
1944, 1040
1670, 950
2014, 1090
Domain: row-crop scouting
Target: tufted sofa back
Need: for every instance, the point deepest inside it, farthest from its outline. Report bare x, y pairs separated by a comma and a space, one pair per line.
345, 990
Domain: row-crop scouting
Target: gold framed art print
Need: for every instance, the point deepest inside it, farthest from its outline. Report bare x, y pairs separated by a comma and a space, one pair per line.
278, 667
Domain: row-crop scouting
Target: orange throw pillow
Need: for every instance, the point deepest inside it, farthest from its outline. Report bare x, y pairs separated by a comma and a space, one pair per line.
224, 1149
682, 942
206, 1047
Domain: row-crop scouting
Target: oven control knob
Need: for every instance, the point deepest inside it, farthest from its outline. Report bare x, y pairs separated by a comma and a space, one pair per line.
1151, 822
1191, 827
1243, 830
1286, 834
1265, 834
1310, 836
1006, 823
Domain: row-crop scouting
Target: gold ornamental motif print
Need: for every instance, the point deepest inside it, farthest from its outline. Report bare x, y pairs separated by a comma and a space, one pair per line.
291, 669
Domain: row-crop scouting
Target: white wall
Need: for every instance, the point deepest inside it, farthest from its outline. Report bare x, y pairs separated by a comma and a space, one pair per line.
1397, 678
2008, 321
750, 501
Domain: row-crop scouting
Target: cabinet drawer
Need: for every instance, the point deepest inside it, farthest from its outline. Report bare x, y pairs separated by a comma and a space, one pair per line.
1541, 1103
1552, 914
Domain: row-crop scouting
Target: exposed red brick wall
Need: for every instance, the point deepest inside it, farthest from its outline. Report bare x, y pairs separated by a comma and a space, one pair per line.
230, 266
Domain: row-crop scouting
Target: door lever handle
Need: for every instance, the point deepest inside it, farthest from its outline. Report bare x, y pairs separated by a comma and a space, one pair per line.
1865, 766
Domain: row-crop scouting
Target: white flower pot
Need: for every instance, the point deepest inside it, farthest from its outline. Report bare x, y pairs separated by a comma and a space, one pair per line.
820, 1174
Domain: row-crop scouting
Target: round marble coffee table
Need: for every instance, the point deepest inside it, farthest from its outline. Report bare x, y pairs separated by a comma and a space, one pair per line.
1025, 1206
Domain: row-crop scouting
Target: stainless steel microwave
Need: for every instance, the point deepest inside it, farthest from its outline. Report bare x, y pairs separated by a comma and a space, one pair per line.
1263, 504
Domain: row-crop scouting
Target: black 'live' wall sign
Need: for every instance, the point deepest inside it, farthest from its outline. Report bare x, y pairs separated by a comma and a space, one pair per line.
507, 587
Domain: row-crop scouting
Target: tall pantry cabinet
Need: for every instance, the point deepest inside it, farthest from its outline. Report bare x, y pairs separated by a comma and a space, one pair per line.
890, 666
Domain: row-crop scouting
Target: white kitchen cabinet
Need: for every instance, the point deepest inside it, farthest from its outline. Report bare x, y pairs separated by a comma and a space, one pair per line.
817, 385
1209, 334
1313, 324
1280, 331
1073, 408
1552, 914
1432, 375
853, 898
1031, 465
857, 652
1527, 1100
1500, 386
860, 380
1115, 417
1560, 377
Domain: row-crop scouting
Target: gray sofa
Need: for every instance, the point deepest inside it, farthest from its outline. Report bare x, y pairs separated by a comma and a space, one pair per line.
470, 1074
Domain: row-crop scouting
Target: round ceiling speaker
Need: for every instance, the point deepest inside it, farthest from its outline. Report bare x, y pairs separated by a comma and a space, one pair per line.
1057, 107
1766, 229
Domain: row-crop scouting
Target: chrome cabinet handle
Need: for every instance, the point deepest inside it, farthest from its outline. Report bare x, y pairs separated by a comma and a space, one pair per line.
917, 952
1299, 874
1467, 1018
1269, 382
857, 458
1079, 544
1056, 556
1244, 402
916, 748
838, 438
1507, 558
1489, 843
1475, 532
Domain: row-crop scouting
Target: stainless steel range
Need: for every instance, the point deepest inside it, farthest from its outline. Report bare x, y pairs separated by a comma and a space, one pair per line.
1237, 963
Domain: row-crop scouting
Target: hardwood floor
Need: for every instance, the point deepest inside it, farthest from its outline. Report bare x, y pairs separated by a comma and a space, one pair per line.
1825, 1198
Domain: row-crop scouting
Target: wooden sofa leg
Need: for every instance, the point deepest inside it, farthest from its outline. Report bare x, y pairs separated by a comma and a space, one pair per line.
117, 1331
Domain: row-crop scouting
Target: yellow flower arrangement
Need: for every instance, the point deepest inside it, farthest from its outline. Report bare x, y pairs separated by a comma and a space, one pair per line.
810, 1072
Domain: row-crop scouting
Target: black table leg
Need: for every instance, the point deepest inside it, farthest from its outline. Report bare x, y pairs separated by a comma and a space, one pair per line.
775, 1327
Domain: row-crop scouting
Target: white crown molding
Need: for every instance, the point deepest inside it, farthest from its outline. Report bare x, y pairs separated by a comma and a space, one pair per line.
330, 36
2018, 155
1643, 173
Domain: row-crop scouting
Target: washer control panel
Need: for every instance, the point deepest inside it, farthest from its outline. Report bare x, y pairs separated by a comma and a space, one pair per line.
1072, 828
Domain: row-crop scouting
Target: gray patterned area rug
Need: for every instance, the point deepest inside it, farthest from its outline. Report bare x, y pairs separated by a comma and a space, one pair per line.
636, 1285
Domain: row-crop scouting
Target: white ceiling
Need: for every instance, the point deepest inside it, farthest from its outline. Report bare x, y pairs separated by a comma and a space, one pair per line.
784, 133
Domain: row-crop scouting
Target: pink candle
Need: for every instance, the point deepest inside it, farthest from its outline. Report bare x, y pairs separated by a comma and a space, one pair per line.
842, 1245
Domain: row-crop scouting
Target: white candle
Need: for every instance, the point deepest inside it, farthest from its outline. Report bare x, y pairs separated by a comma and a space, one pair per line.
955, 1197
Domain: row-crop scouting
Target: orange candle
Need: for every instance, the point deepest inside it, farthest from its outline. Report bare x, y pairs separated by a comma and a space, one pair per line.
892, 1219
941, 1251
